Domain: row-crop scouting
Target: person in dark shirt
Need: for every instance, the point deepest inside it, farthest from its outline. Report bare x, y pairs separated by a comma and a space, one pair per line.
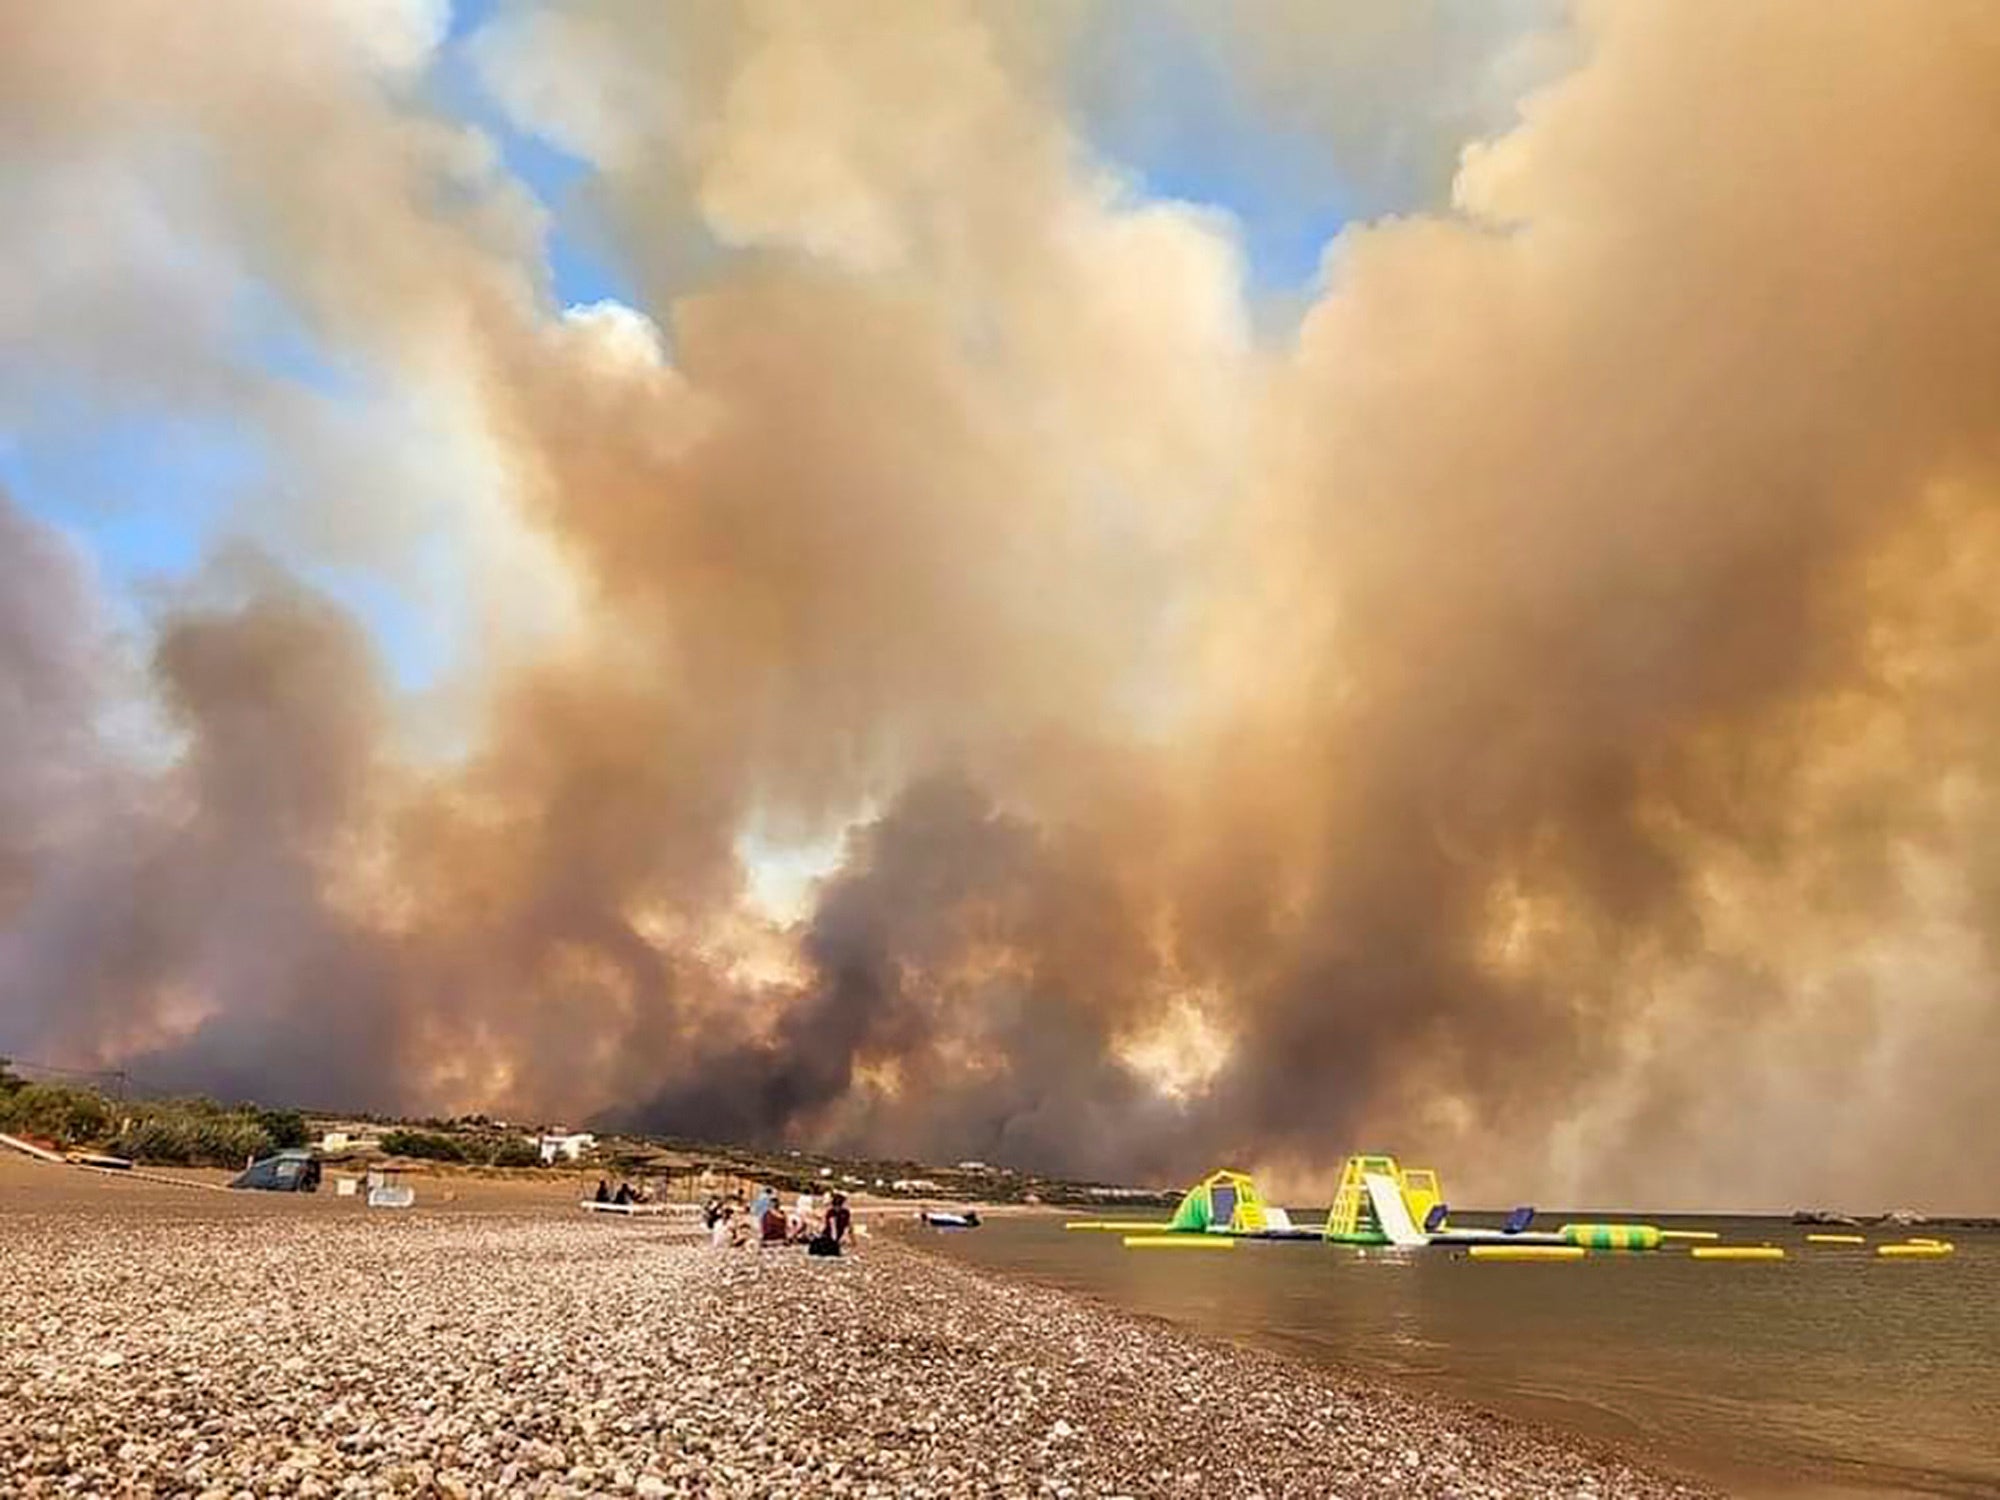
833, 1231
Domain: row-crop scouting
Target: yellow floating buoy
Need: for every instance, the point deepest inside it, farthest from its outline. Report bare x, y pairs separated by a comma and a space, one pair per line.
1179, 1242
1527, 1252
1690, 1234
1737, 1252
1836, 1239
1916, 1250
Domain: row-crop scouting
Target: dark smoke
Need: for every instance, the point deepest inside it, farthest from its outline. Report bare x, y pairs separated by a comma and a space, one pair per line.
958, 945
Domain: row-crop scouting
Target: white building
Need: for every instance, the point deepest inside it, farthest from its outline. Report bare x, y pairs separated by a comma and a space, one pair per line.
559, 1146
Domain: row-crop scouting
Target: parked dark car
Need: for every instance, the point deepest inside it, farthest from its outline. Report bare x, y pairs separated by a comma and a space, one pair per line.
287, 1172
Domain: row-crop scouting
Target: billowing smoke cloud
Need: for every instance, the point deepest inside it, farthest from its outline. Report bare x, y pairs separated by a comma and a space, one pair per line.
1537, 716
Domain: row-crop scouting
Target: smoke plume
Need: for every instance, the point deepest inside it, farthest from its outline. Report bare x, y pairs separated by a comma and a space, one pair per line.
1533, 711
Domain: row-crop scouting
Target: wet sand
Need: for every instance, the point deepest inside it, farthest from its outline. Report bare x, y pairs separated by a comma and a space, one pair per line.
164, 1340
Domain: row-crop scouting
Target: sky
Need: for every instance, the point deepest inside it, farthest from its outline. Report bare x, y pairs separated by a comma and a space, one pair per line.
148, 492
1097, 585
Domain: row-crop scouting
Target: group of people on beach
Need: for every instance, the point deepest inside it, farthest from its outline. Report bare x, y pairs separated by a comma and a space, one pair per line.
625, 1194
764, 1221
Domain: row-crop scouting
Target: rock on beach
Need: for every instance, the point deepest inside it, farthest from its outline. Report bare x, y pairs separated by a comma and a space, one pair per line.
218, 1353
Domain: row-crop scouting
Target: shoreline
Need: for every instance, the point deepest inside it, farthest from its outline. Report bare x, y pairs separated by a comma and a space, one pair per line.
1607, 1432
212, 1344
1516, 1449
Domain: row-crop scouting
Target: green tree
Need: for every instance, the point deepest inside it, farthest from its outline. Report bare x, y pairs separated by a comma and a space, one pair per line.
286, 1128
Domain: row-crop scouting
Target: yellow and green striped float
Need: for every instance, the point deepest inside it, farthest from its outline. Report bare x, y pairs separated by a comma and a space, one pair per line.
1611, 1236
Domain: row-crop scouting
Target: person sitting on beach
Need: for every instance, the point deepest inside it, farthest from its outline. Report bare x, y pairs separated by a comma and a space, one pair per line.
711, 1211
720, 1229
603, 1191
833, 1232
772, 1228
624, 1194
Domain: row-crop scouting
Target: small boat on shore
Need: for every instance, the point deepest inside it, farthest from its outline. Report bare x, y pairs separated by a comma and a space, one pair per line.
99, 1160
944, 1219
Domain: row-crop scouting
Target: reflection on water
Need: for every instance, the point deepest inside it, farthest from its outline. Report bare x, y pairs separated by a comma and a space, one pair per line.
1832, 1370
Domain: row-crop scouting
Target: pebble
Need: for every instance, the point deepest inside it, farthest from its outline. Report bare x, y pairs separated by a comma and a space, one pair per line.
483, 1355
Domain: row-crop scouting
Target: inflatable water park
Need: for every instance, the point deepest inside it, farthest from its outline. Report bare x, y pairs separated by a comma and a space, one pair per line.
1381, 1203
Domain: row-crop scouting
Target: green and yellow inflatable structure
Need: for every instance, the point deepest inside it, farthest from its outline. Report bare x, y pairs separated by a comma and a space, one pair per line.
1224, 1202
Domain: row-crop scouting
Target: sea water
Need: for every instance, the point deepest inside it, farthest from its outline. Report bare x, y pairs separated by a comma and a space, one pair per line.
1830, 1372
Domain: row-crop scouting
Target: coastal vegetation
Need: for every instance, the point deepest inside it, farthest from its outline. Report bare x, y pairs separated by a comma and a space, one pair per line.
204, 1132
188, 1132
483, 1148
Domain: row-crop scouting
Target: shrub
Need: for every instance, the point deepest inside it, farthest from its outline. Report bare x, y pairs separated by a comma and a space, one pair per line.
193, 1133
423, 1145
513, 1151
178, 1132
55, 1111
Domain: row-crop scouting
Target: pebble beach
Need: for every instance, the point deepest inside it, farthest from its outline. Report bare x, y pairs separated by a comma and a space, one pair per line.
157, 1340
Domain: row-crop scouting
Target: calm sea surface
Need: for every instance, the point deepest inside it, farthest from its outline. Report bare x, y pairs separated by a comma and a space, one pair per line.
1830, 1373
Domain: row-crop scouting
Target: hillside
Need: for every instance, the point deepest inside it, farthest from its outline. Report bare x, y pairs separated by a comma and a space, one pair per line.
71, 1116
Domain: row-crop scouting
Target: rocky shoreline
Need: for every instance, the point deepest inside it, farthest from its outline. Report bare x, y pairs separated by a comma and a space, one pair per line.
319, 1354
